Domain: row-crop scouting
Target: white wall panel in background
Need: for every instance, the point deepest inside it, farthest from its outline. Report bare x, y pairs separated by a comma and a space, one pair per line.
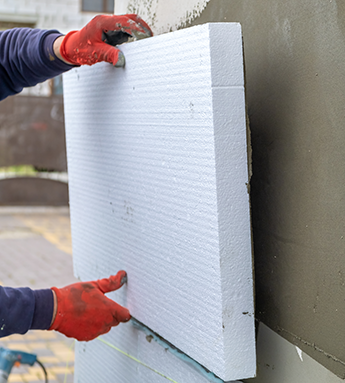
157, 159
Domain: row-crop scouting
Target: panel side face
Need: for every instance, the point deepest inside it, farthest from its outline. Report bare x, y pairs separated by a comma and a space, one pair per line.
234, 234
229, 119
143, 188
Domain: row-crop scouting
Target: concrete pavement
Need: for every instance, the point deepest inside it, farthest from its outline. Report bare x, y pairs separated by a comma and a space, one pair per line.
36, 251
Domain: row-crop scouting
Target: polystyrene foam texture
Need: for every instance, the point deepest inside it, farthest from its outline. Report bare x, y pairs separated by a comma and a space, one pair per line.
97, 362
157, 161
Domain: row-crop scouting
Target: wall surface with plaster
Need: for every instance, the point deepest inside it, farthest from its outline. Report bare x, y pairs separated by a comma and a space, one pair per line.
163, 16
157, 159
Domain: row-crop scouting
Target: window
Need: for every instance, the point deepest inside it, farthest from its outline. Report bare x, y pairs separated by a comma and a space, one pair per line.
106, 6
14, 24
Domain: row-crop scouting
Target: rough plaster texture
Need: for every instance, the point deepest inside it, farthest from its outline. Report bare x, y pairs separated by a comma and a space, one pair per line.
157, 159
163, 16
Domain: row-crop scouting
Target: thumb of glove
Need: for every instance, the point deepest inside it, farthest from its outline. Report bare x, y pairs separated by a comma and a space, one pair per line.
106, 285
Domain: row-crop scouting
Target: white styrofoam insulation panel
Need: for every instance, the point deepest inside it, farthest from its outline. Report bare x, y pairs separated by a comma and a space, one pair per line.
157, 162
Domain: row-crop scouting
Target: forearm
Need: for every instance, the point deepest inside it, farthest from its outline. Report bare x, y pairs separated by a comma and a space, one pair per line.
30, 56
27, 57
80, 310
23, 309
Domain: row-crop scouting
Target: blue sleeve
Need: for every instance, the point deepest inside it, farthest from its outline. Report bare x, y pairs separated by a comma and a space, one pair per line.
27, 58
24, 309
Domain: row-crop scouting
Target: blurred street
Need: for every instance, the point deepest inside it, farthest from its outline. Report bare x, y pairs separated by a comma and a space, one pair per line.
36, 251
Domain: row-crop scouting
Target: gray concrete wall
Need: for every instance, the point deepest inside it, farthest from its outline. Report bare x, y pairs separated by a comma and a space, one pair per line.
295, 54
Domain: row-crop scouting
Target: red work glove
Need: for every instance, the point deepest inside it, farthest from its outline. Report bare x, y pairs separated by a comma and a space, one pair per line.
91, 44
84, 312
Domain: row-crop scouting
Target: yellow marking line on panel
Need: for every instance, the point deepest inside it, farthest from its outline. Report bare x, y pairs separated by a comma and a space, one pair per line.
135, 359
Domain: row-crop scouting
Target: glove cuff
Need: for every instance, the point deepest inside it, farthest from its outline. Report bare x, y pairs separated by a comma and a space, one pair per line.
63, 49
44, 308
59, 315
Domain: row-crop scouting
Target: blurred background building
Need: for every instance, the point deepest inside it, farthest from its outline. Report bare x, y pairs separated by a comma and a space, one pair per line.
33, 168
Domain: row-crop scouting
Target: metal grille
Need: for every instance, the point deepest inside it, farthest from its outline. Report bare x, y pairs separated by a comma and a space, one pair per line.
106, 6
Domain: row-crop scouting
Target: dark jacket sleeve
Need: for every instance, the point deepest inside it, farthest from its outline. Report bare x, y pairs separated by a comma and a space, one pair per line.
23, 309
27, 58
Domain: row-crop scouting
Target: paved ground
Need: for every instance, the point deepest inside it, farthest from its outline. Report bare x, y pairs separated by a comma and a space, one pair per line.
36, 251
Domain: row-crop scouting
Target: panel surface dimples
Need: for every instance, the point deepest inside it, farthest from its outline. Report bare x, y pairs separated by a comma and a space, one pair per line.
157, 161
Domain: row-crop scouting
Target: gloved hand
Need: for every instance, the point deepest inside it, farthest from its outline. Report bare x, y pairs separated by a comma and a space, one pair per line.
91, 44
84, 312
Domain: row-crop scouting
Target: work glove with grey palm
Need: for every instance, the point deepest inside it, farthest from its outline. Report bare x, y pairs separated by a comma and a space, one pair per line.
83, 311
97, 40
